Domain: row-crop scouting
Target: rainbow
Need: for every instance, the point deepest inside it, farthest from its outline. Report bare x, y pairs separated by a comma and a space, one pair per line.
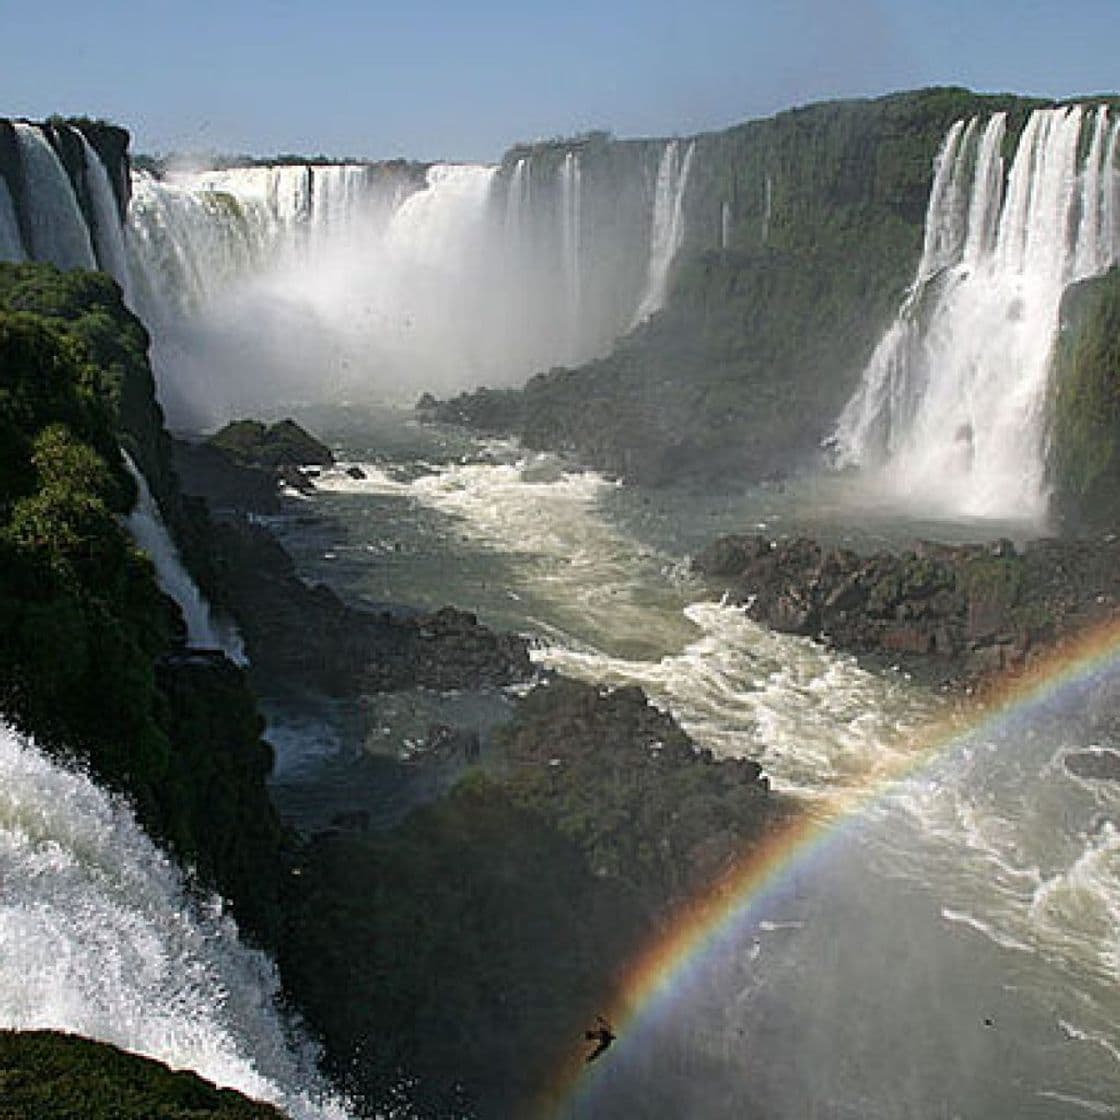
721, 911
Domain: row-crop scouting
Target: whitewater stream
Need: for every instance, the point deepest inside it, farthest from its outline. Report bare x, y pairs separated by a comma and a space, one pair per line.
950, 951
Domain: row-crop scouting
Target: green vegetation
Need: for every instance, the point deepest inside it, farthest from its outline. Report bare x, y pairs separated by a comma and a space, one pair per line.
251, 443
49, 1076
90, 656
1085, 438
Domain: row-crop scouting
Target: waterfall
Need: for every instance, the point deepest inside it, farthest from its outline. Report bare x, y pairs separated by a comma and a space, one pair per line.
667, 228
571, 227
951, 412
108, 236
11, 243
518, 203
725, 225
58, 228
150, 533
99, 938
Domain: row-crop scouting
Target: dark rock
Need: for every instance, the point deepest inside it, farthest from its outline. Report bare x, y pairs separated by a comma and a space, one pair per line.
356, 473
251, 443
966, 610
1100, 765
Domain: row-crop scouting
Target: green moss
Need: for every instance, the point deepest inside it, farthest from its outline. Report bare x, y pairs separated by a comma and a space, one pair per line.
45, 1075
1085, 439
251, 443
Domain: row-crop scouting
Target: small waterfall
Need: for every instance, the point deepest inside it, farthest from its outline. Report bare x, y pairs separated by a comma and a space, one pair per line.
99, 939
667, 229
108, 236
150, 533
571, 228
951, 409
518, 203
725, 225
58, 228
11, 243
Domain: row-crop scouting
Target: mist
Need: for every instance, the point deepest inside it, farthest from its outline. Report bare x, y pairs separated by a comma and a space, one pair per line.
268, 287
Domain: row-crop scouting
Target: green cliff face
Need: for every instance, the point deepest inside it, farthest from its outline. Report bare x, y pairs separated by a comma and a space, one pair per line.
801, 233
91, 661
1085, 437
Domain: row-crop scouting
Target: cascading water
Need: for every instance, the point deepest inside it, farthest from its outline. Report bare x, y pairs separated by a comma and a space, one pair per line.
951, 412
571, 229
150, 533
667, 230
108, 236
100, 939
59, 233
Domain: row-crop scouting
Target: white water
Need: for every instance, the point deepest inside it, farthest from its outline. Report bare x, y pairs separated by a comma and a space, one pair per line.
150, 533
986, 888
951, 414
667, 230
58, 227
108, 235
606, 608
350, 284
99, 939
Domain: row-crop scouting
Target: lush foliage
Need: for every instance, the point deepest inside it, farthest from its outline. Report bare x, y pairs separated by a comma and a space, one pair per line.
50, 1076
87, 640
1084, 450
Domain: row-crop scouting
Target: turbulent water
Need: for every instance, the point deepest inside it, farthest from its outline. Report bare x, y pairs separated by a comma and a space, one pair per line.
952, 409
953, 952
99, 938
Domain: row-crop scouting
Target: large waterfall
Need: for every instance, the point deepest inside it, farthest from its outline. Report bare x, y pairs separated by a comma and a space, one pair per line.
58, 228
267, 286
361, 282
99, 938
951, 414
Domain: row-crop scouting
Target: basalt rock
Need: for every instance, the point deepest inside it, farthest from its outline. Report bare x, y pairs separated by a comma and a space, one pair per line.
954, 613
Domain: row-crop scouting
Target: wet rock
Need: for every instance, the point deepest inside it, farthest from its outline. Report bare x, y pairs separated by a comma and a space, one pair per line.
1099, 765
954, 611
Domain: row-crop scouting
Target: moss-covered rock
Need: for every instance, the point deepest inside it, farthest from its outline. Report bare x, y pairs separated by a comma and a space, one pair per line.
45, 1075
1085, 440
283, 444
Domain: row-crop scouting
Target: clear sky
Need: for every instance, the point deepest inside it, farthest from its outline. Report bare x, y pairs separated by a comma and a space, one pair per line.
433, 79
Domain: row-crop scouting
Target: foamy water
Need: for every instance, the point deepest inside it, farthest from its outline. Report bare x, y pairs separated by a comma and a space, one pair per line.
98, 938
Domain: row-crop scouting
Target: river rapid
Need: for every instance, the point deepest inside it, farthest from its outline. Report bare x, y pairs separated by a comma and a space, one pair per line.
952, 950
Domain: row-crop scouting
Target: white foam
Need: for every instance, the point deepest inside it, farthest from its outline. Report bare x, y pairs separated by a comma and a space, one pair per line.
99, 939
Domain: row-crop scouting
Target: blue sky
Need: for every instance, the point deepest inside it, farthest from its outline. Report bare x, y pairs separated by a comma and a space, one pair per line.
433, 80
